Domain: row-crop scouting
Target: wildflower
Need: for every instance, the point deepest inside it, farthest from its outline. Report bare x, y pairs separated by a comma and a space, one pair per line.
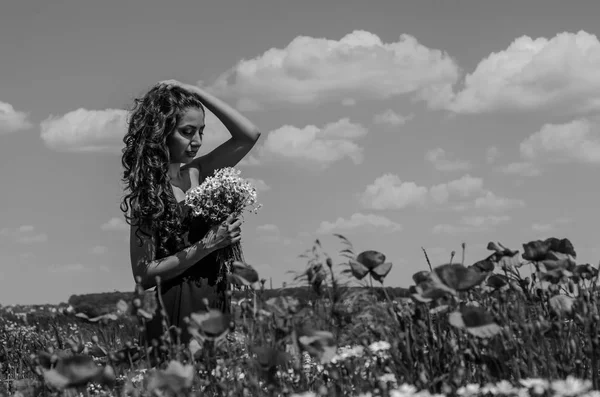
387, 378
319, 344
469, 390
571, 386
346, 352
475, 320
77, 370
538, 386
305, 394
404, 390
379, 346
591, 393
505, 387
220, 195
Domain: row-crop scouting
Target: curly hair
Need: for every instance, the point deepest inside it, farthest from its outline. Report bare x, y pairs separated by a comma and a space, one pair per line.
145, 159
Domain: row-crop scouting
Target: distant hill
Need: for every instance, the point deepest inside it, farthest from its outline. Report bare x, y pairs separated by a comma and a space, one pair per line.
101, 303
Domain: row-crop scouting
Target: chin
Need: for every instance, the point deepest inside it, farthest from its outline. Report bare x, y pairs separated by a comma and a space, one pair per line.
187, 160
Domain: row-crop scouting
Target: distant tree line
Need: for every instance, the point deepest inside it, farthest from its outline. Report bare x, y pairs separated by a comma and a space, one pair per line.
101, 303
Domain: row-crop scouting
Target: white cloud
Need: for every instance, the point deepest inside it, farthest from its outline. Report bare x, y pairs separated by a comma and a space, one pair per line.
360, 66
551, 226
115, 225
390, 192
85, 130
99, 250
442, 161
575, 141
542, 227
526, 169
12, 120
471, 224
491, 154
494, 203
314, 146
259, 184
270, 233
76, 267
268, 228
535, 74
25, 234
392, 118
368, 223
72, 267
464, 187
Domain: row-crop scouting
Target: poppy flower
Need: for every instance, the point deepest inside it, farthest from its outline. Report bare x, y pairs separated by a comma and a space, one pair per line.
283, 306
454, 277
585, 272
242, 274
427, 291
536, 251
268, 358
176, 378
319, 344
77, 370
475, 320
561, 304
210, 325
498, 282
420, 277
557, 260
554, 276
370, 262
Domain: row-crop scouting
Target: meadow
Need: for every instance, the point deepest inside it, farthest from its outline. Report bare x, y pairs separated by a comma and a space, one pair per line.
516, 323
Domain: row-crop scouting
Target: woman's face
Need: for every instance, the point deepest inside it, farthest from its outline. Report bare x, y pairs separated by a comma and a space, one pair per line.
185, 141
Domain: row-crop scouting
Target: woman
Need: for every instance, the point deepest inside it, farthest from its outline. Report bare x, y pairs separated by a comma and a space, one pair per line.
165, 131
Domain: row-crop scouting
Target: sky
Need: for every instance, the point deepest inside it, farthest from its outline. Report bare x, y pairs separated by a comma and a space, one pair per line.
399, 124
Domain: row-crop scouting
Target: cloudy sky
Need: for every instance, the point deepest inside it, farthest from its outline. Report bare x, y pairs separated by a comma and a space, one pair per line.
399, 124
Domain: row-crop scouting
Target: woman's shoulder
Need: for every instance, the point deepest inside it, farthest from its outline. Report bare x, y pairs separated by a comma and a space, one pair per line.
195, 172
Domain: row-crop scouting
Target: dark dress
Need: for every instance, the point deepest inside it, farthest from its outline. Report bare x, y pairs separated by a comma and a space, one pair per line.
185, 294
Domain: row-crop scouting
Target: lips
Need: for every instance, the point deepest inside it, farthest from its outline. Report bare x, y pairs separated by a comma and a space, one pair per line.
191, 154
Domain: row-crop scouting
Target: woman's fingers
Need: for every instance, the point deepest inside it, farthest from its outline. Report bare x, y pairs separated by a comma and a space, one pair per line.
230, 219
235, 225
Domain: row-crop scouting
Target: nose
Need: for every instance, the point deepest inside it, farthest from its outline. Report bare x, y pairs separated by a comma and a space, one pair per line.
196, 140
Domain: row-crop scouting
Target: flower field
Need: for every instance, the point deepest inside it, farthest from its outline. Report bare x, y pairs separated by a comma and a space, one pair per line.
517, 323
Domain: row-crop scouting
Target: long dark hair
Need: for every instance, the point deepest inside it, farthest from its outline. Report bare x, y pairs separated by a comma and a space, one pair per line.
146, 162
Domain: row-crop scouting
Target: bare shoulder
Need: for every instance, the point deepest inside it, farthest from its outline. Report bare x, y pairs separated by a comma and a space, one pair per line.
195, 173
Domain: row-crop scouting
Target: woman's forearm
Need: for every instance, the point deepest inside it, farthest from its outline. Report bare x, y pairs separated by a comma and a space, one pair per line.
172, 266
240, 127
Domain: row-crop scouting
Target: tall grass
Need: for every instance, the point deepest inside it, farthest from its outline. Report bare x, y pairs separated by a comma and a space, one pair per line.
466, 330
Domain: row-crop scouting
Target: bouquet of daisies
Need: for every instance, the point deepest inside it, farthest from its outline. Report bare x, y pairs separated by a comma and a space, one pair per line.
223, 194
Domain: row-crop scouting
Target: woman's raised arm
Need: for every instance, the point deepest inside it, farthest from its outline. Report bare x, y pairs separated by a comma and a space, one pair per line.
244, 134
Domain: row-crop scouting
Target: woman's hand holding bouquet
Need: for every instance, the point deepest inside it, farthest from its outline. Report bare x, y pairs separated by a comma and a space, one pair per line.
224, 234
220, 200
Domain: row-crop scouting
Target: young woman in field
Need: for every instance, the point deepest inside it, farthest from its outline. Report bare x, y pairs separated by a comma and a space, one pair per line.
164, 135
